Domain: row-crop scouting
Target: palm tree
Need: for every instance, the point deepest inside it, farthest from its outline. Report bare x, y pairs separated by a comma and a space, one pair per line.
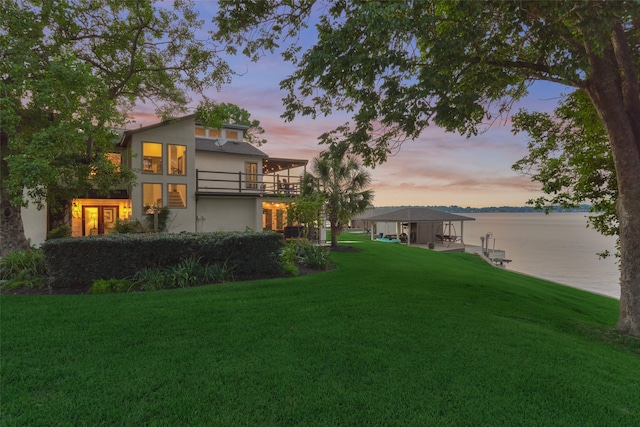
341, 182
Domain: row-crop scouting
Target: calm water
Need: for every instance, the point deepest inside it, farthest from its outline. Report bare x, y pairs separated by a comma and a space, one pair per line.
556, 247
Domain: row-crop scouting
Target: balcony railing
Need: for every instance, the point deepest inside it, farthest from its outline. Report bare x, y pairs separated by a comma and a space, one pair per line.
215, 182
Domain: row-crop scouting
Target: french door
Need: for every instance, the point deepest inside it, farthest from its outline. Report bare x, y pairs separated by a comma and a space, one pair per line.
98, 219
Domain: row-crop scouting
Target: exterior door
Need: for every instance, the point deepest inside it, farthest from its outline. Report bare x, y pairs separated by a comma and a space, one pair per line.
98, 219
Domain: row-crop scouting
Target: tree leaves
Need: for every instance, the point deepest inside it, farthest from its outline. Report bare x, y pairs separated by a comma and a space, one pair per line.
569, 154
72, 70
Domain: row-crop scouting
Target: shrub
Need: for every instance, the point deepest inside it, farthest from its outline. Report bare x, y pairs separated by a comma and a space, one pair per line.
81, 260
23, 269
163, 217
215, 273
111, 286
153, 279
127, 226
316, 257
303, 252
63, 230
189, 272
290, 269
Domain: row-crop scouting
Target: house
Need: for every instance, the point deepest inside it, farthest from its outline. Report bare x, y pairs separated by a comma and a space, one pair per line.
210, 179
420, 225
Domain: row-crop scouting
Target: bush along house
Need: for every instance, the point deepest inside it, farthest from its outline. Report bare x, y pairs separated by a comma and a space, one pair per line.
207, 179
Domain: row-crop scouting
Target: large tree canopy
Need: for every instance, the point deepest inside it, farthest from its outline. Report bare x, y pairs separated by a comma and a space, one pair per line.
70, 71
401, 66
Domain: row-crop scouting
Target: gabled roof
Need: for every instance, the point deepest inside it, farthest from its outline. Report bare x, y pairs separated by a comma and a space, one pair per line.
127, 133
411, 214
159, 124
230, 147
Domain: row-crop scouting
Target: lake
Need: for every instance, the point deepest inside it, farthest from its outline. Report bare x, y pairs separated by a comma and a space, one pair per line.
557, 247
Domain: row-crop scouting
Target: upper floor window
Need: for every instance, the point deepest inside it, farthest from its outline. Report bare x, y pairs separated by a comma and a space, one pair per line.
208, 133
115, 159
232, 134
152, 157
177, 159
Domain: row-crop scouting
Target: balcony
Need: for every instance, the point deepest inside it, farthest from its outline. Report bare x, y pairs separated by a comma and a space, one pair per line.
216, 183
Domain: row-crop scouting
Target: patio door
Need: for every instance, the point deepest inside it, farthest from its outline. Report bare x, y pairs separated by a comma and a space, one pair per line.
98, 219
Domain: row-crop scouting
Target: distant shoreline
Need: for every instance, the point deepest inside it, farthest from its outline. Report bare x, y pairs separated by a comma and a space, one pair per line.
498, 209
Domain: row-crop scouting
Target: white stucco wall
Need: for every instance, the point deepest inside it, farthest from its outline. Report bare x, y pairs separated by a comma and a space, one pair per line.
35, 224
229, 214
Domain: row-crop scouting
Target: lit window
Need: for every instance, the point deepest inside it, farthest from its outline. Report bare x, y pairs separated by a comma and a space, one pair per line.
177, 195
214, 133
152, 157
152, 195
115, 158
200, 131
177, 160
232, 134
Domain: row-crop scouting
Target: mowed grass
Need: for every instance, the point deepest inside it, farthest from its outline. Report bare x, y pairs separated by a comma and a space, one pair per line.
394, 336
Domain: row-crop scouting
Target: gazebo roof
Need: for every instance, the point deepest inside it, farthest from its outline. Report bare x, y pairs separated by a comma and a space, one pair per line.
411, 214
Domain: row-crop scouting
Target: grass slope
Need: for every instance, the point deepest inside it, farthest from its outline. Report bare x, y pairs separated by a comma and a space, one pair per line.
395, 336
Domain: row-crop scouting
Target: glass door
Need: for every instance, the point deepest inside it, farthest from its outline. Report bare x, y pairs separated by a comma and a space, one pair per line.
98, 219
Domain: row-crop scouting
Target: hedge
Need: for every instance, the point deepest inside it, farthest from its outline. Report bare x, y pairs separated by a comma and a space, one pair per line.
78, 261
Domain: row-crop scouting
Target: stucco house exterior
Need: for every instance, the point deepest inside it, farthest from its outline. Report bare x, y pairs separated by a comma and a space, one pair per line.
210, 179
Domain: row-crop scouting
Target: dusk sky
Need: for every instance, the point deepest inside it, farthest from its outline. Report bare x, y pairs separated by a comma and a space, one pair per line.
439, 168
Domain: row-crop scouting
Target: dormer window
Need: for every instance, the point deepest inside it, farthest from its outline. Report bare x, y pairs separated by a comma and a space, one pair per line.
231, 134
207, 133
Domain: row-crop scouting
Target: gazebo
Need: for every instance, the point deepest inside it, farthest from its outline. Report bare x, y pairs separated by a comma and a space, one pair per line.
415, 225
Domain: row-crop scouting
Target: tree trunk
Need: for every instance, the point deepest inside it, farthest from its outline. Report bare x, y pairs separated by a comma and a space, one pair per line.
335, 230
11, 229
12, 236
614, 91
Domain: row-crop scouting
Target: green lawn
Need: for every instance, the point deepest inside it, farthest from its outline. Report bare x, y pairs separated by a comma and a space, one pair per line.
395, 336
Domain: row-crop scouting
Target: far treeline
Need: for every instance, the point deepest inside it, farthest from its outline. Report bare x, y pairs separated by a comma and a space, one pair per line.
460, 209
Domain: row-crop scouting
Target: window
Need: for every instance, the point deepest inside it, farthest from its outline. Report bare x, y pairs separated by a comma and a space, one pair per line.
177, 195
232, 134
177, 160
152, 195
115, 158
208, 133
251, 174
152, 157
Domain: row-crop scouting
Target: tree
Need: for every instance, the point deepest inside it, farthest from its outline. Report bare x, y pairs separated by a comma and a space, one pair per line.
341, 182
70, 72
307, 210
215, 115
400, 66
570, 155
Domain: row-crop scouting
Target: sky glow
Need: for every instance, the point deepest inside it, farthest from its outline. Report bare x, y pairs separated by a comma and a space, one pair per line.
438, 168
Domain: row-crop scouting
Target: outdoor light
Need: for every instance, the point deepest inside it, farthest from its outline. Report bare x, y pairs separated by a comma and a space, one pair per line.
75, 210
